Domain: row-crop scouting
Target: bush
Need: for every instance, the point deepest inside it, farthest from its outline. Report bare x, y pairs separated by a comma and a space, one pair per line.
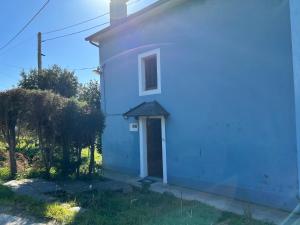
28, 148
32, 172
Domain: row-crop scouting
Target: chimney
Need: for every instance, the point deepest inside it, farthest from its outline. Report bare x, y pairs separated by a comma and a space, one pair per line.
118, 10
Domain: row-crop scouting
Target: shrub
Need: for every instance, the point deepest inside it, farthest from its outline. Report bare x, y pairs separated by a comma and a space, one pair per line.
34, 172
28, 148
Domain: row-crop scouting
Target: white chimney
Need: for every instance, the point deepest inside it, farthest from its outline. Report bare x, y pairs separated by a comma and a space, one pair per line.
118, 10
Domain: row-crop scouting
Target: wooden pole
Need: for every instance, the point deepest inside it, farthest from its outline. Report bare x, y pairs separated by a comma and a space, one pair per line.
39, 53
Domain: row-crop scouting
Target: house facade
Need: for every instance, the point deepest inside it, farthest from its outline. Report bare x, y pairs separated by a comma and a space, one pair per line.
205, 94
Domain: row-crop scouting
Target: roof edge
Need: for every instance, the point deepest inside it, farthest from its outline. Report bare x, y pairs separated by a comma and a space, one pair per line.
135, 17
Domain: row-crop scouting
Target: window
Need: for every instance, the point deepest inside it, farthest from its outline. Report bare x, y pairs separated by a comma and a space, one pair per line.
149, 73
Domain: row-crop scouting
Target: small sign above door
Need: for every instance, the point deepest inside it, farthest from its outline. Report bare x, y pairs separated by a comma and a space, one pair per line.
134, 127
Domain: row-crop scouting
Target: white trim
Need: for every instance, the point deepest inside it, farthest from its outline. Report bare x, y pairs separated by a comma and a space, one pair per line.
164, 150
142, 91
143, 147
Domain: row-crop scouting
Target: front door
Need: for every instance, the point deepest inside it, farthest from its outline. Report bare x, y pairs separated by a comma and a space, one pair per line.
154, 147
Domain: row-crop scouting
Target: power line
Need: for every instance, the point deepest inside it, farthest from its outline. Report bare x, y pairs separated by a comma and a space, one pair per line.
76, 24
86, 68
29, 38
81, 31
25, 26
86, 21
78, 32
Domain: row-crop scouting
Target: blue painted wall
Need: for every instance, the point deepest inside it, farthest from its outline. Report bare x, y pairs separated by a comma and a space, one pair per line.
227, 81
295, 18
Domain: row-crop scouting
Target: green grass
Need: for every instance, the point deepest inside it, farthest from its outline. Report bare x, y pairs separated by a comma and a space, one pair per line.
111, 208
14, 203
140, 207
147, 208
59, 212
150, 209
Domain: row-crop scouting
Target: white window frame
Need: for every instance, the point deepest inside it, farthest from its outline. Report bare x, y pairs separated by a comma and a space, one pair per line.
141, 57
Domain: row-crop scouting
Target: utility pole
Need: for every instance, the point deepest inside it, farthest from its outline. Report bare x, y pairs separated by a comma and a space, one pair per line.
39, 53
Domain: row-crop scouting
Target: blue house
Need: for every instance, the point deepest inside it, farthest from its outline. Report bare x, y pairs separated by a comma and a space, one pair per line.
205, 94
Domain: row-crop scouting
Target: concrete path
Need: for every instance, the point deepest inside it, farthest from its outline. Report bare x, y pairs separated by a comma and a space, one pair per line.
258, 212
15, 220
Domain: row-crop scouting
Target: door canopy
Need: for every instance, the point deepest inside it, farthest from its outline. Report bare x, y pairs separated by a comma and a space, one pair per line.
147, 109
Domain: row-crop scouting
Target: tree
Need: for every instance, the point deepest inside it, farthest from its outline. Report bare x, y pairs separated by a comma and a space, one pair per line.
95, 122
90, 93
61, 126
56, 79
44, 107
66, 127
12, 108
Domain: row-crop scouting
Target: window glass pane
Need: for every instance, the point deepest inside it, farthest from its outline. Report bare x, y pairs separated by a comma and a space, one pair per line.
150, 73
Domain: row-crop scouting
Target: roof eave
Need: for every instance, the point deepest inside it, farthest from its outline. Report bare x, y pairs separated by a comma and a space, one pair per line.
132, 19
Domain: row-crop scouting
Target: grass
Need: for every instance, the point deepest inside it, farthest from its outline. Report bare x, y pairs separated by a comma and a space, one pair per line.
13, 203
113, 208
149, 208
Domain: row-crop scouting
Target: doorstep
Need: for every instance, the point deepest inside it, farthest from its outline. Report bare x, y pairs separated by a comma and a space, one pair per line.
226, 204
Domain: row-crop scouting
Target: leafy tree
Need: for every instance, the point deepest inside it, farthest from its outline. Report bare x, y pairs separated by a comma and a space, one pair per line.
12, 108
44, 108
66, 128
59, 117
77, 127
95, 122
90, 93
81, 135
56, 79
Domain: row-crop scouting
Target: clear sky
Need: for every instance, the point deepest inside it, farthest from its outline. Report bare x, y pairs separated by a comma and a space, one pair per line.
71, 52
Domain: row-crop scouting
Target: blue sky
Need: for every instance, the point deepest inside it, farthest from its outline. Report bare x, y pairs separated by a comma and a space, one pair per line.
72, 52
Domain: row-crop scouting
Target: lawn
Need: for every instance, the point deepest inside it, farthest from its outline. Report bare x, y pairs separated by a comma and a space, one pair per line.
21, 205
114, 208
